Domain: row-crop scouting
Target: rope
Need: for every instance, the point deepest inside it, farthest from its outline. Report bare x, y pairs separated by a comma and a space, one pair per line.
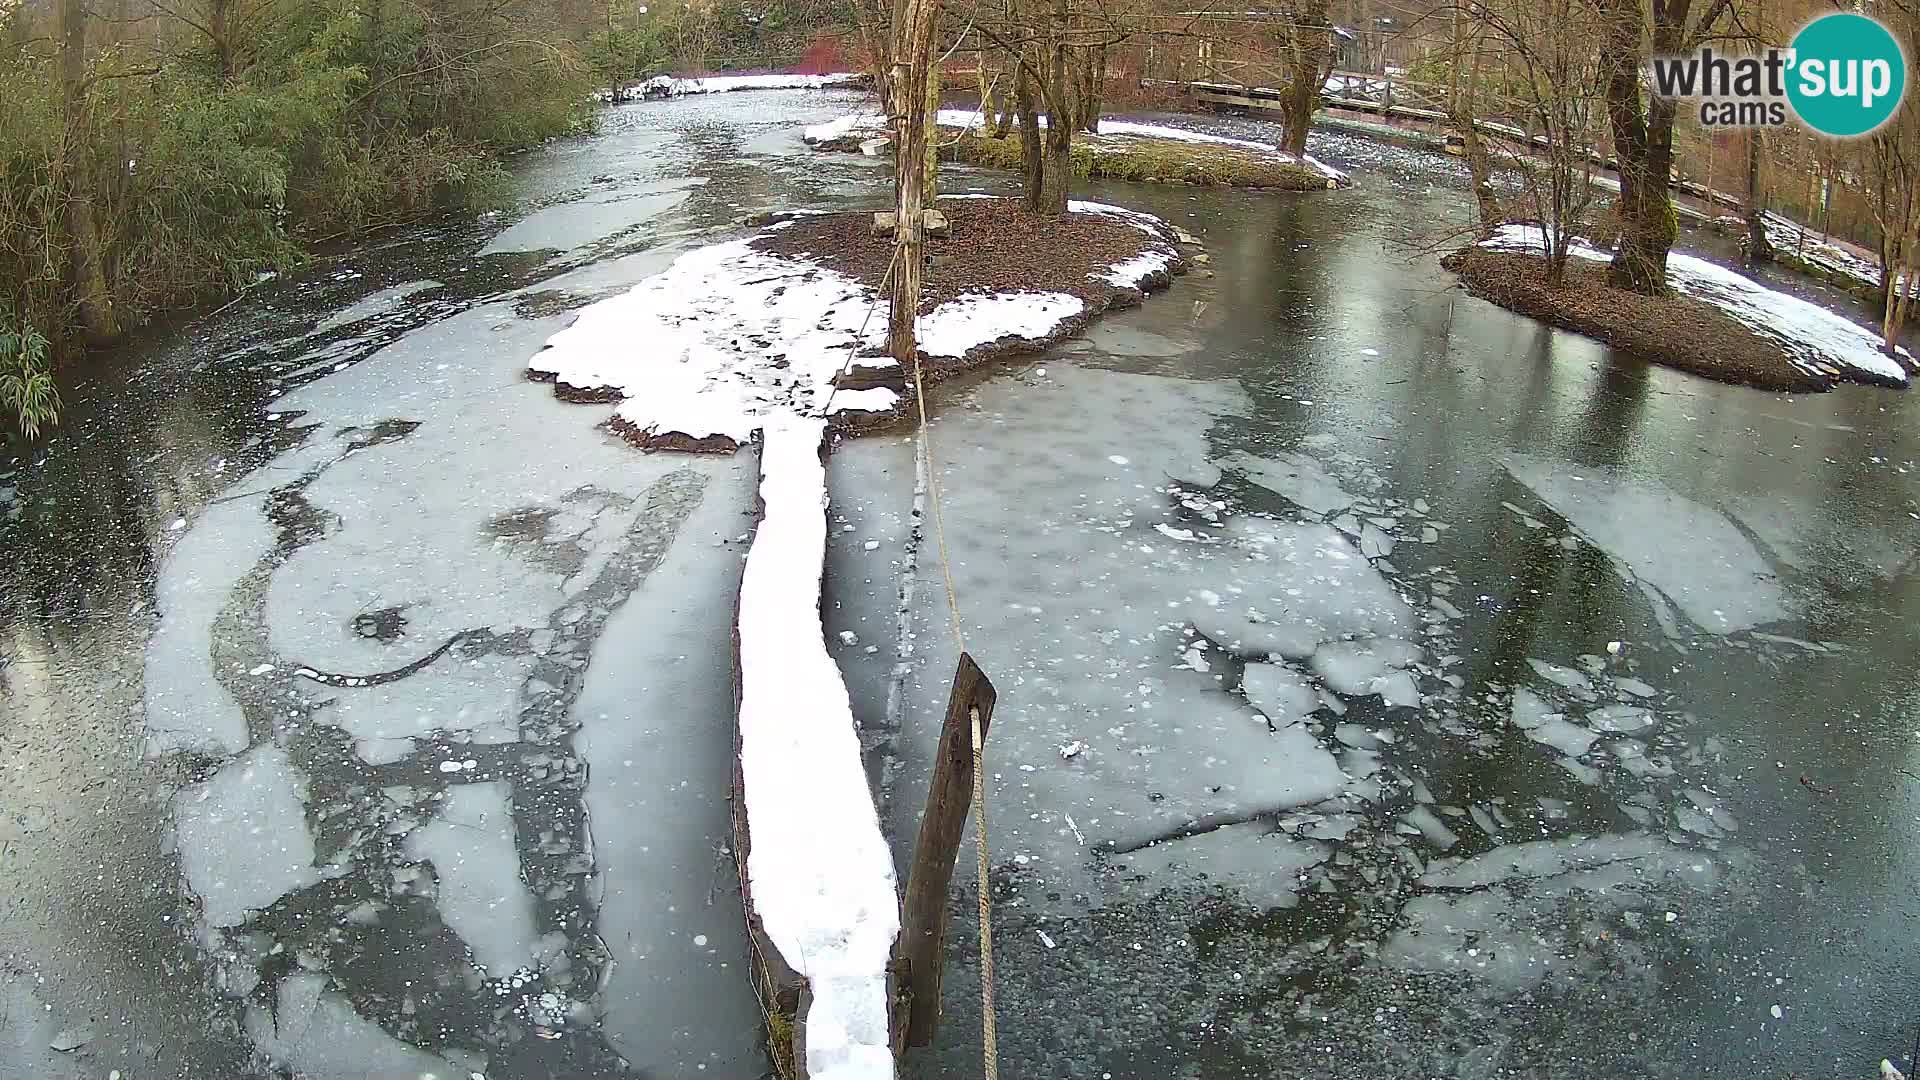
989, 1028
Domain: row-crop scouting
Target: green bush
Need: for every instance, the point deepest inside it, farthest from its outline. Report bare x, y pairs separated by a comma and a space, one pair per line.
338, 116
27, 393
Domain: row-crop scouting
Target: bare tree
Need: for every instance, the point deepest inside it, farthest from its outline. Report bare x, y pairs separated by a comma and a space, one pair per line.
908, 76
1642, 125
1309, 57
1555, 78
94, 301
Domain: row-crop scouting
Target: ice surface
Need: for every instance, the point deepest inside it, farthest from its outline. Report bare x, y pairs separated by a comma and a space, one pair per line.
971, 118
1512, 929
1621, 718
1563, 676
381, 301
1530, 710
656, 716
481, 897
1563, 735
1815, 339
830, 908
1298, 478
1320, 581
1693, 555
1281, 694
1369, 667
1167, 747
314, 1032
186, 706
1436, 832
243, 836
1261, 865
476, 698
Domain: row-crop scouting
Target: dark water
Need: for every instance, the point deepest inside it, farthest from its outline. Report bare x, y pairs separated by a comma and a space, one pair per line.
286, 572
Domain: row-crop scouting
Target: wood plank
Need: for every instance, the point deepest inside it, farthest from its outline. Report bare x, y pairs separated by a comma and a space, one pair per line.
921, 959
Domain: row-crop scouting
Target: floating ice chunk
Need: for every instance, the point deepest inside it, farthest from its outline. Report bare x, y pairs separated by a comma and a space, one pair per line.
1430, 826
1682, 551
1622, 718
243, 836
1299, 479
1279, 692
1356, 736
471, 844
1633, 686
1530, 710
313, 1031
1195, 473
1374, 542
1563, 735
1252, 638
1262, 865
1564, 676
1358, 668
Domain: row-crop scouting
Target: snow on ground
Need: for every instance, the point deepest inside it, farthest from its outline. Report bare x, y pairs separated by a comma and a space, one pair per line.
666, 86
972, 118
728, 336
1818, 341
819, 871
1818, 249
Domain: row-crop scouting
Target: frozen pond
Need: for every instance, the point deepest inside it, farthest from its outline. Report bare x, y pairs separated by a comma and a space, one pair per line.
1388, 685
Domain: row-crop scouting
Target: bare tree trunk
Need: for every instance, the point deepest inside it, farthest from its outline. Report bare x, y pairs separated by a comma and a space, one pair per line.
1643, 144
95, 303
1307, 55
931, 160
219, 29
1032, 167
1088, 77
1056, 170
1464, 114
1759, 248
913, 25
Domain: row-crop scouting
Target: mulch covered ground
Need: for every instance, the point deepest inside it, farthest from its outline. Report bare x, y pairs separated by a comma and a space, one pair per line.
1676, 331
995, 246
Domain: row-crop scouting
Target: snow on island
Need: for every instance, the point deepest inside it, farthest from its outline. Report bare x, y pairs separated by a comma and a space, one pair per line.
819, 874
701, 355
1817, 341
668, 86
866, 124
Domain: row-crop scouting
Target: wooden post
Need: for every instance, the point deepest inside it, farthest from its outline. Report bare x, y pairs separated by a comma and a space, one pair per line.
923, 924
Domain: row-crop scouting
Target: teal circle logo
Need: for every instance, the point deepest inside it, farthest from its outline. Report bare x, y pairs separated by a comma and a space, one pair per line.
1848, 75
